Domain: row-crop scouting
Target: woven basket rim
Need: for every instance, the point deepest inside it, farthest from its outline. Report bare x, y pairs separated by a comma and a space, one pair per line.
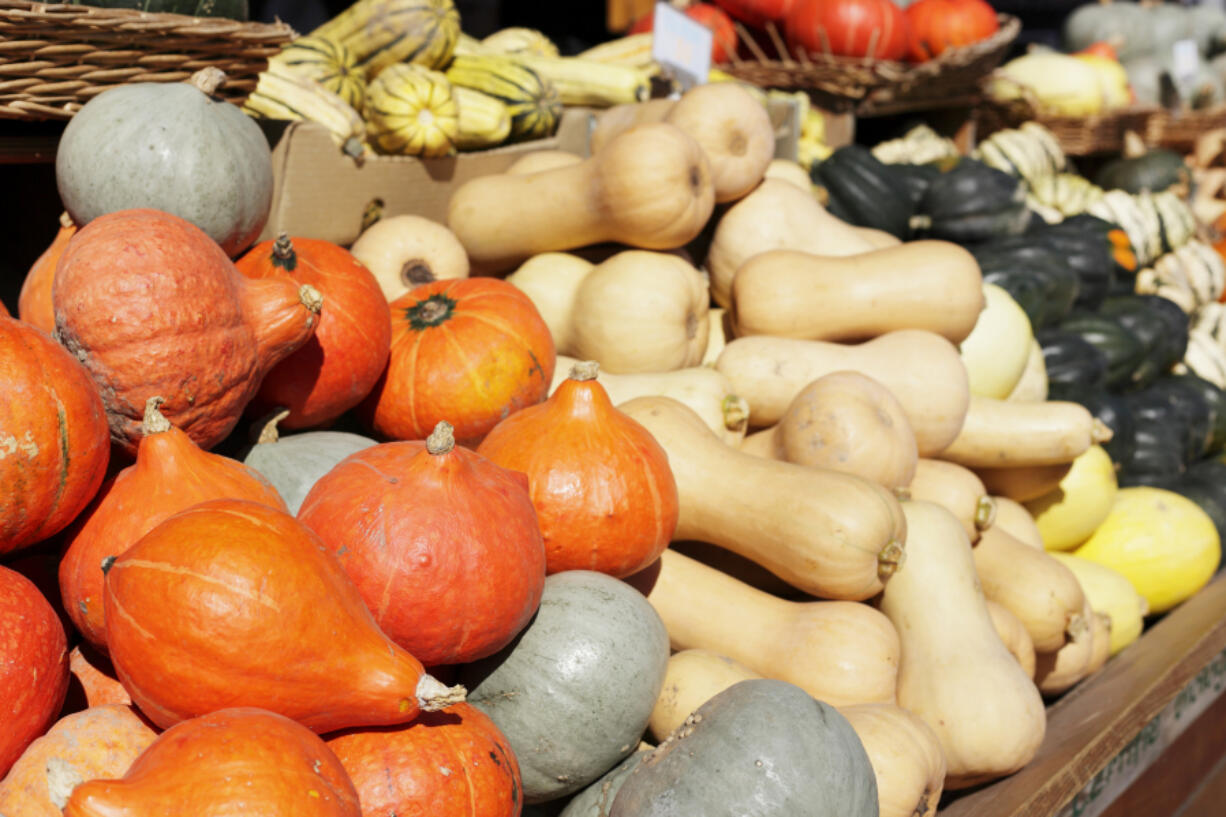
26, 12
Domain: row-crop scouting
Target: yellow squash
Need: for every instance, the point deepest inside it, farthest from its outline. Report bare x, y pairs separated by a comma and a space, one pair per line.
1069, 515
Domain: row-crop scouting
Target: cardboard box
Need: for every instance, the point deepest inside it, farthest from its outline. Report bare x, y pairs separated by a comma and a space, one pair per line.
319, 192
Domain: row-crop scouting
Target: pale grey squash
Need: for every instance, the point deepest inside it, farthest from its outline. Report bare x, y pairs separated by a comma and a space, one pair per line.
760, 748
573, 692
597, 798
1123, 24
293, 464
170, 147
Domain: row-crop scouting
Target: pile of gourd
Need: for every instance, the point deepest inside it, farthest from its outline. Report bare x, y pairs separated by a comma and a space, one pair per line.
701, 415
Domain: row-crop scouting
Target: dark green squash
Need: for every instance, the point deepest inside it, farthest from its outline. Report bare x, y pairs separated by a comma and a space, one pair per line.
971, 203
760, 748
1043, 285
1143, 168
1157, 456
1215, 398
230, 9
1088, 249
1071, 359
863, 191
1208, 491
915, 179
573, 692
1160, 325
1180, 406
1110, 409
1121, 348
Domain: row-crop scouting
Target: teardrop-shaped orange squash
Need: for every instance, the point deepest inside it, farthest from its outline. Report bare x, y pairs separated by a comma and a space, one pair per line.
234, 603
239, 761
442, 543
171, 473
604, 494
455, 762
93, 681
338, 366
34, 303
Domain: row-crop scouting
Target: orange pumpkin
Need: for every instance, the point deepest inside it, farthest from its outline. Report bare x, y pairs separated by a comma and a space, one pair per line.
33, 665
234, 603
102, 741
93, 681
935, 26
153, 306
171, 473
604, 494
442, 543
230, 762
336, 368
467, 351
34, 303
455, 762
53, 436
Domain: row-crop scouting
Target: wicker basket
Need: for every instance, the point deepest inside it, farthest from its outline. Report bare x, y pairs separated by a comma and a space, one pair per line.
54, 58
863, 85
1078, 135
1180, 130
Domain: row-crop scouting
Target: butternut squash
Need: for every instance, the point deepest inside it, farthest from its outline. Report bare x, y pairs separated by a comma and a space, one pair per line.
1002, 433
1102, 642
847, 422
921, 369
905, 754
957, 490
739, 568
839, 652
880, 239
1058, 671
906, 757
930, 285
641, 312
1013, 633
997, 351
650, 188
551, 281
956, 673
1111, 595
1024, 482
733, 129
776, 215
704, 390
792, 172
613, 122
719, 324
403, 252
541, 160
1032, 387
829, 534
1028, 582
1013, 518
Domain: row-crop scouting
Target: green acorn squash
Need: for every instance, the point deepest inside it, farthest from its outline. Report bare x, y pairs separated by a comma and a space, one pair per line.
1142, 168
1043, 285
1121, 348
1208, 490
1174, 404
972, 202
1089, 249
1216, 400
1157, 456
1070, 358
863, 191
1108, 408
1160, 325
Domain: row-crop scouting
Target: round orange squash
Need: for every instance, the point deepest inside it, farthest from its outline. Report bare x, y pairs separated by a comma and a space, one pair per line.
604, 494
467, 351
34, 303
335, 368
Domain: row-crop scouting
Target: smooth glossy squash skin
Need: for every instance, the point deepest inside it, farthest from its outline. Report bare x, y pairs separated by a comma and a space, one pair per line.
906, 757
847, 422
840, 652
1002, 433
777, 215
830, 534
759, 748
957, 490
703, 389
574, 692
1028, 582
641, 312
1013, 633
541, 160
406, 251
93, 681
1032, 387
1058, 671
551, 280
614, 121
295, 462
929, 285
921, 369
34, 303
650, 188
694, 677
734, 131
1014, 519
955, 672
232, 761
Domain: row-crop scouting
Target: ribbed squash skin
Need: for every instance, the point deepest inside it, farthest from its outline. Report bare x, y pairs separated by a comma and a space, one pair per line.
385, 32
328, 62
532, 102
410, 110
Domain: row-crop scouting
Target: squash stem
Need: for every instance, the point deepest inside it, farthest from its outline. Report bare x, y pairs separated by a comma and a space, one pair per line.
154, 421
442, 439
985, 512
890, 559
433, 695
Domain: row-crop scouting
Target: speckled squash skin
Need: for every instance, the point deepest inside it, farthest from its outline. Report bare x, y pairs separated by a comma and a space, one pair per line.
760, 748
33, 665
574, 692
597, 799
170, 147
294, 463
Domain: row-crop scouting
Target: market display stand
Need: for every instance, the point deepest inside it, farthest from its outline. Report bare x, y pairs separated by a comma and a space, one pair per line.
1142, 737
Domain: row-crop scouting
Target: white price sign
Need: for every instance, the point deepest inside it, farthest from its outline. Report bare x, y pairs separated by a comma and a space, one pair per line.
1185, 61
681, 45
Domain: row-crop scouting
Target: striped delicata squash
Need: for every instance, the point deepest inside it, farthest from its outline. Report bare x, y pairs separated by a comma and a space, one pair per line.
385, 32
411, 110
532, 102
327, 62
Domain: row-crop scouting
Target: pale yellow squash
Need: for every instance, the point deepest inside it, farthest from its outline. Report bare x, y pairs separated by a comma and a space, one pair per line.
1003, 433
956, 673
921, 369
1112, 595
929, 285
613, 122
998, 350
551, 281
1032, 387
641, 311
880, 239
829, 534
957, 490
693, 677
839, 652
720, 327
1058, 671
791, 172
1013, 633
1069, 515
403, 252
